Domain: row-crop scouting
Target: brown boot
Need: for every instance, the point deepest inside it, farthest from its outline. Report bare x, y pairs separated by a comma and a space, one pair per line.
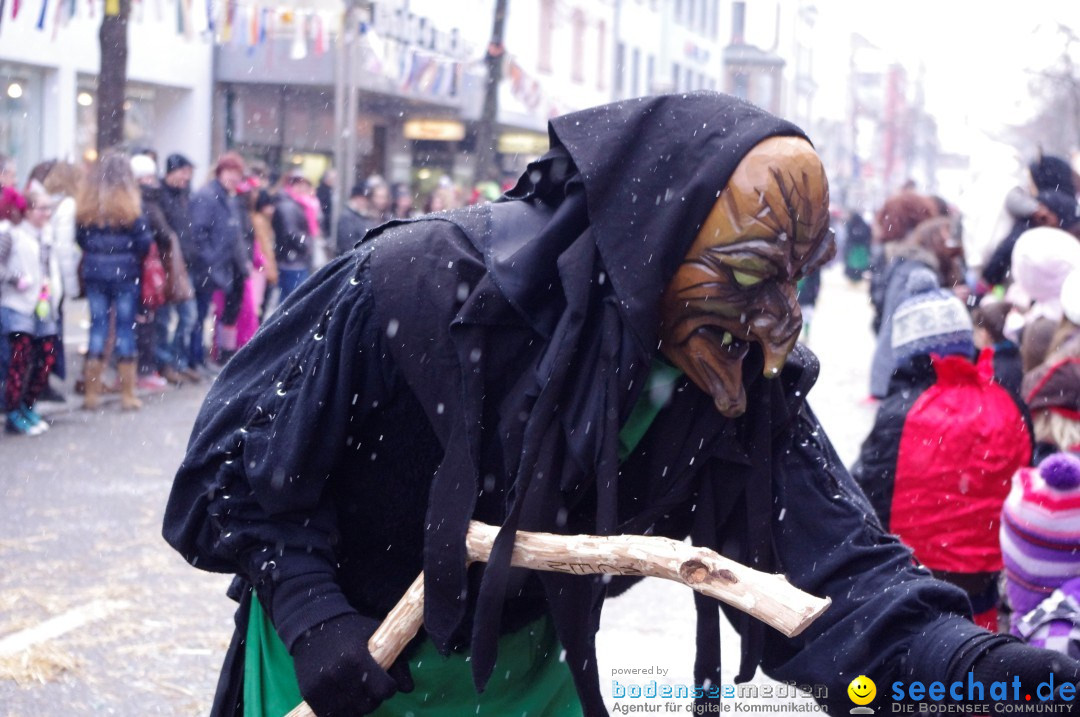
128, 400
92, 384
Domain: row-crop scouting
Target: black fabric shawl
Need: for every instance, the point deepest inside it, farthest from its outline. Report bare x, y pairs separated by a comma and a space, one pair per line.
552, 307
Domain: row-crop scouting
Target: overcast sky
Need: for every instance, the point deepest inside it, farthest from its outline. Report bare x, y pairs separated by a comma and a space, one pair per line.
976, 55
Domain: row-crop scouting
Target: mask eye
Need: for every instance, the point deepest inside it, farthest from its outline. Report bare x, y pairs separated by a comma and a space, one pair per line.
744, 279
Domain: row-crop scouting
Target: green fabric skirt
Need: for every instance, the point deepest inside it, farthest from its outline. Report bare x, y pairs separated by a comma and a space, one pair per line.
530, 678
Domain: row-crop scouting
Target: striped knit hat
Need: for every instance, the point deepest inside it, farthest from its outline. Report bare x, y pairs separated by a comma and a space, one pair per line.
930, 321
1040, 531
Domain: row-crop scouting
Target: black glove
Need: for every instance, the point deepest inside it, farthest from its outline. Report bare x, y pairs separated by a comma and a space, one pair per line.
338, 676
1034, 667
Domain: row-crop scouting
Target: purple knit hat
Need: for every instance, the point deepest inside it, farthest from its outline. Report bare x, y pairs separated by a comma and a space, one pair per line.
1040, 531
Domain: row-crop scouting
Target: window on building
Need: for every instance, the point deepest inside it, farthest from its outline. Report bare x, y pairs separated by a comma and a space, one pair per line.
676, 75
21, 115
679, 10
577, 48
547, 26
635, 73
714, 19
620, 69
650, 74
601, 55
741, 86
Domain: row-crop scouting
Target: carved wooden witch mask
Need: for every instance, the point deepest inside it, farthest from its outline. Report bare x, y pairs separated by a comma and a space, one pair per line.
737, 285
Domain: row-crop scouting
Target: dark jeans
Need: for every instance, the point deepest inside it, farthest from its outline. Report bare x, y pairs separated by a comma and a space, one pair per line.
122, 297
197, 350
174, 345
288, 280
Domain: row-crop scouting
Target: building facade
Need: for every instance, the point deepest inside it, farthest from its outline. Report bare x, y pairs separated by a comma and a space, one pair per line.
49, 60
420, 78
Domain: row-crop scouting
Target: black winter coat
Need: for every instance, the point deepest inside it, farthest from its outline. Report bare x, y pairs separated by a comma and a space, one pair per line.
352, 227
512, 341
176, 205
292, 240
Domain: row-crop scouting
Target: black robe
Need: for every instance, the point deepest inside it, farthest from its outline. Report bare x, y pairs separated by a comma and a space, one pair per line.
480, 364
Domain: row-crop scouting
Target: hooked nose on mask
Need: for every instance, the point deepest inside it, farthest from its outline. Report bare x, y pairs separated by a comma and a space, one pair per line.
776, 329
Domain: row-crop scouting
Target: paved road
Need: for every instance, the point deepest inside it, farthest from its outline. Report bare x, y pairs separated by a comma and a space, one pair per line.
110, 621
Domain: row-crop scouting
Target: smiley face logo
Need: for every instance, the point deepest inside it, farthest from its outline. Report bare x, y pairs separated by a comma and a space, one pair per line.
862, 690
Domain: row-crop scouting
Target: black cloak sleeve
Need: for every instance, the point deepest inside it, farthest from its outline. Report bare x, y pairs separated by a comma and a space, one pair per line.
250, 496
889, 618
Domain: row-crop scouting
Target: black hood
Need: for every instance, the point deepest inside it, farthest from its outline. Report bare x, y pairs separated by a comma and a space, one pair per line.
651, 170
527, 336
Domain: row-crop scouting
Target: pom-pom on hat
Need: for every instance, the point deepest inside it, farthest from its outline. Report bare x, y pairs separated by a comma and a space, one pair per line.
930, 321
1061, 471
1040, 530
143, 166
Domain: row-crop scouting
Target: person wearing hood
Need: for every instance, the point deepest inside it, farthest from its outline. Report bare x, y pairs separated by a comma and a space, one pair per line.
1050, 201
610, 349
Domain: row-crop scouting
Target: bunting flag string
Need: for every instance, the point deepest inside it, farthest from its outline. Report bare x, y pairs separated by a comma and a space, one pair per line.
298, 50
60, 5
41, 16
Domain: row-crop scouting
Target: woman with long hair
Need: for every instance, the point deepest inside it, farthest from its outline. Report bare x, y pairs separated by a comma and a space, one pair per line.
114, 235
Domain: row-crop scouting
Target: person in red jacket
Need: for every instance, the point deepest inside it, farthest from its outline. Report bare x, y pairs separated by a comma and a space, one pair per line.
945, 443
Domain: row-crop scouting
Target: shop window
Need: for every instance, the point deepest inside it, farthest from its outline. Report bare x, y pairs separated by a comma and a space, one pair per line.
547, 26
620, 68
601, 55
20, 116
138, 117
577, 51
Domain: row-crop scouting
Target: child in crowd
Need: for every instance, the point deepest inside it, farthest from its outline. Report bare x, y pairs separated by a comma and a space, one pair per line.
989, 319
946, 440
1039, 536
30, 304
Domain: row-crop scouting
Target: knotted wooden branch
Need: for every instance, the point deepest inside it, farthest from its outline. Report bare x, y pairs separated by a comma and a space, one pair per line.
770, 598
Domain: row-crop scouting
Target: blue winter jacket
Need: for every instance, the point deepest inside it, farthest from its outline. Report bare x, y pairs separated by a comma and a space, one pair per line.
113, 254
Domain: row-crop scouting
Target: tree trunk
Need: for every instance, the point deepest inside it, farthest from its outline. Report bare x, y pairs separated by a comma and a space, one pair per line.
112, 76
486, 139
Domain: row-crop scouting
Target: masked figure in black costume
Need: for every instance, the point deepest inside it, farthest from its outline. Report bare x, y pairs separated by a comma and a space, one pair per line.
610, 350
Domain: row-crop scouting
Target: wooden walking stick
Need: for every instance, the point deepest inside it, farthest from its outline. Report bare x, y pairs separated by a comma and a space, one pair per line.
768, 597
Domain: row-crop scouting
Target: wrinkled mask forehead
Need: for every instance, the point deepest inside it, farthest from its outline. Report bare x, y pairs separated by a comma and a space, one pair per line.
736, 286
778, 195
